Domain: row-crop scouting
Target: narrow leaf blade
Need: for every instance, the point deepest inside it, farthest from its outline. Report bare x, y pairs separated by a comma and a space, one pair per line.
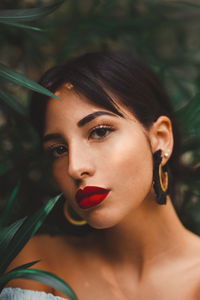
23, 26
12, 102
30, 14
26, 231
26, 266
22, 80
9, 206
41, 276
6, 236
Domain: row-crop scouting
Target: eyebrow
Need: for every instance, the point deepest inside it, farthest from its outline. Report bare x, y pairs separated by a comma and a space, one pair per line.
92, 116
51, 136
81, 123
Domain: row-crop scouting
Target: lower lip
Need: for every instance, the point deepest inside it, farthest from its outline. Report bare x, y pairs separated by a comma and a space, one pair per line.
92, 200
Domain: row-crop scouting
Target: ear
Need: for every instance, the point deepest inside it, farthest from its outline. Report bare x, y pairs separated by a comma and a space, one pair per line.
161, 137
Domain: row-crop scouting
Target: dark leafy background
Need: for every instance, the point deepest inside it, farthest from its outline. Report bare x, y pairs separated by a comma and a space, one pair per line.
164, 33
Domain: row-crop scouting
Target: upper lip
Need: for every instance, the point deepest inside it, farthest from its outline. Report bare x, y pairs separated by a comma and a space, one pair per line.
88, 191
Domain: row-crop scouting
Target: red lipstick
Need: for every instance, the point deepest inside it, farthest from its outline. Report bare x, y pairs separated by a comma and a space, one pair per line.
90, 196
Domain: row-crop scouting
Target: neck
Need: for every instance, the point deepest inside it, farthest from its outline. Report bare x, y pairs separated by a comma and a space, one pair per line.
150, 234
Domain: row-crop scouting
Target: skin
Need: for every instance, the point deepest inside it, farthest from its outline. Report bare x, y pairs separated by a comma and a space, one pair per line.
140, 249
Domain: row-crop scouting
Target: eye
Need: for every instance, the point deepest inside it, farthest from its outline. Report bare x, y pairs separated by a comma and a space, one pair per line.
101, 131
56, 151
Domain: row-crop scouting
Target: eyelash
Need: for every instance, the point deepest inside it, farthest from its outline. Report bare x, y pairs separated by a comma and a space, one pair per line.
108, 128
53, 148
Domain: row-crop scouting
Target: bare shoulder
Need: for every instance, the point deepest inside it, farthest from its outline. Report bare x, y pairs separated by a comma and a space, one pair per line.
196, 278
50, 250
193, 269
195, 281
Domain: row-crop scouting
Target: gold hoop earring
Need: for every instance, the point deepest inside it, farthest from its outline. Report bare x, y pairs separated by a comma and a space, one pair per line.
160, 181
70, 219
163, 182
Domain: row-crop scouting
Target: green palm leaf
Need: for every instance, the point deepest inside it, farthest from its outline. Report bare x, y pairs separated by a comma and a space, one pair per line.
7, 234
12, 102
31, 14
26, 266
28, 228
41, 276
23, 26
22, 80
9, 206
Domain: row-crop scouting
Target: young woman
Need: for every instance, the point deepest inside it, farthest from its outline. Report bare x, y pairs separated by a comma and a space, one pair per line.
114, 151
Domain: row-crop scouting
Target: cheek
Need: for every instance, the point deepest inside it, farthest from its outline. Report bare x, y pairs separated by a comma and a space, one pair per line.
132, 167
129, 175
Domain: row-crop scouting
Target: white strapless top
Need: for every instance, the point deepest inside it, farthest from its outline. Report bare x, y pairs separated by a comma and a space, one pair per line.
20, 294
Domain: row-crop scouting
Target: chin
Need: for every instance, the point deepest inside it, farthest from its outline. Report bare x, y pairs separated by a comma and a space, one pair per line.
101, 220
101, 225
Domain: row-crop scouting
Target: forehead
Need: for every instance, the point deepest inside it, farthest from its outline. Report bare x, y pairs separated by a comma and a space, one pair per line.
66, 114
74, 106
71, 108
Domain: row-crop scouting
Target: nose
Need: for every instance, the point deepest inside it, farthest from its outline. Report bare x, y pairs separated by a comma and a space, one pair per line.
80, 163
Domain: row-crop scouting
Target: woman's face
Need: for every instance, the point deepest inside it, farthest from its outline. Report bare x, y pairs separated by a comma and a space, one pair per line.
108, 151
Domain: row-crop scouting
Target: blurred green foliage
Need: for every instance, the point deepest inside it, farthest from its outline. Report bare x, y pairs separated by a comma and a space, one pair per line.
13, 238
164, 33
